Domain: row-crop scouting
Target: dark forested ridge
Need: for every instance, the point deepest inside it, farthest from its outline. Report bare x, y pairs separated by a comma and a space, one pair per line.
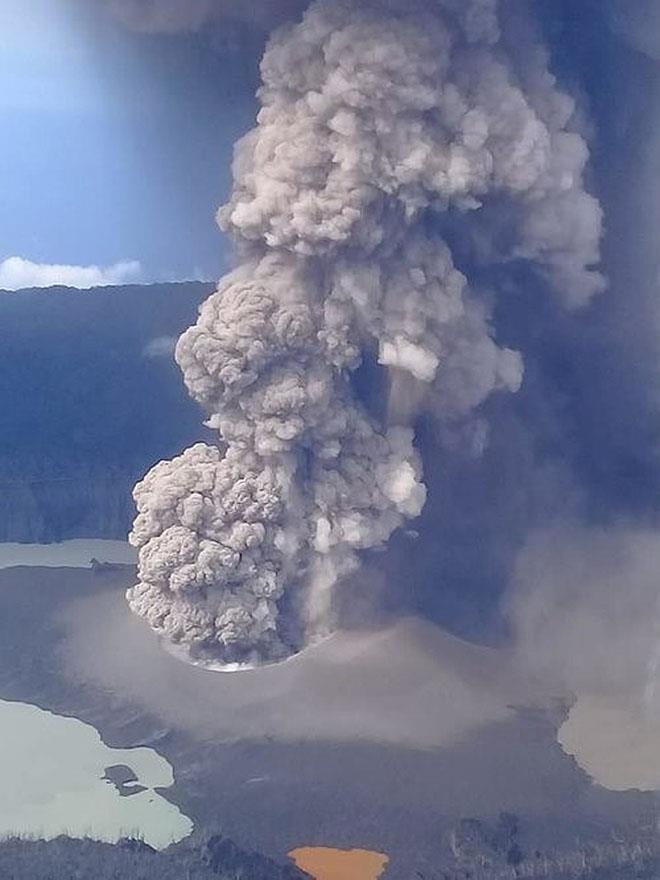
211, 858
90, 398
477, 855
497, 850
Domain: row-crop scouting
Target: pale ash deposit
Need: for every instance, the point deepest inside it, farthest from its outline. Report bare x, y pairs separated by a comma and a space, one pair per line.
381, 123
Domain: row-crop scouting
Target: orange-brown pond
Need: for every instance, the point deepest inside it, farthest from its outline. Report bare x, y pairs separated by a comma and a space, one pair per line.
324, 863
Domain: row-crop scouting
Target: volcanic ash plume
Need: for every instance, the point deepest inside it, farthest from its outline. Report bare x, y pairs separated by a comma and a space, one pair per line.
379, 125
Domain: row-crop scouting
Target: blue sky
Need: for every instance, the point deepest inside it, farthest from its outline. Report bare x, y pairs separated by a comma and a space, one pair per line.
116, 146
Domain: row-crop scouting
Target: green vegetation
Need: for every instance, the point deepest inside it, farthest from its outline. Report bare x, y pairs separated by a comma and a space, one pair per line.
493, 851
211, 857
90, 399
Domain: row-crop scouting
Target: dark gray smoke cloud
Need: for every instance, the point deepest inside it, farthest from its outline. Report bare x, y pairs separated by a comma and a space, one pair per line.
585, 604
637, 23
384, 126
570, 485
175, 16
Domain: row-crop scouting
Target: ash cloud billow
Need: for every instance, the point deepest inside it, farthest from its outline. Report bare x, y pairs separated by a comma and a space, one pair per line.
381, 123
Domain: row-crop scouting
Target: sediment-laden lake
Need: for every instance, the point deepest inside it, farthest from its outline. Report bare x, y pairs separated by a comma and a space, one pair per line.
57, 776
76, 553
326, 863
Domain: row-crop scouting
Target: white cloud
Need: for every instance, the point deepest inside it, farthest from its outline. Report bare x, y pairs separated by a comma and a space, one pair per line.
17, 274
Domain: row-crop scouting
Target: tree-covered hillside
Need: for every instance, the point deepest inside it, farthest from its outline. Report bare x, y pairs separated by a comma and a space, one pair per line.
90, 398
212, 857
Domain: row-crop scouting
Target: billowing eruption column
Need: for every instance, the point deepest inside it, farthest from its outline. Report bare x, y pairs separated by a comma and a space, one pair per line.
381, 122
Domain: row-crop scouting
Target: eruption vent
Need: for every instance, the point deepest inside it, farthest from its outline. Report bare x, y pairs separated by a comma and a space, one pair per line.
381, 123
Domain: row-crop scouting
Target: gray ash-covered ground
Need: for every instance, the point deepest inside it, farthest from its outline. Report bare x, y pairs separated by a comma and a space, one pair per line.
271, 794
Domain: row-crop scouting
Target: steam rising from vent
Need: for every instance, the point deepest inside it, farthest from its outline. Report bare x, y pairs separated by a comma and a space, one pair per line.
378, 121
